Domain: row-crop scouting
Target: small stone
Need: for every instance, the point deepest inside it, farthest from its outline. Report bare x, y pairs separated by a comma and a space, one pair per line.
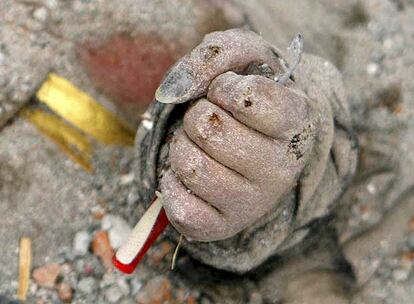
32, 288
157, 290
407, 260
40, 14
98, 212
256, 298
46, 275
132, 198
66, 268
64, 291
123, 285
108, 279
371, 188
148, 124
410, 241
400, 274
411, 224
191, 300
388, 44
81, 243
2, 58
113, 294
136, 285
118, 229
52, 4
101, 247
87, 285
126, 179
127, 301
160, 252
181, 295
372, 69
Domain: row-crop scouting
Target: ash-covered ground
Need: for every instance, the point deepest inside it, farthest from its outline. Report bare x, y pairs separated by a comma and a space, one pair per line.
75, 219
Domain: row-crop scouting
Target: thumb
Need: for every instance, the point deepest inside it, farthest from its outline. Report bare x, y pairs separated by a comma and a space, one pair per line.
219, 52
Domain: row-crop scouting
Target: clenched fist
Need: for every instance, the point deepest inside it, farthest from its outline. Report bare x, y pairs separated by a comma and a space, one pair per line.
244, 140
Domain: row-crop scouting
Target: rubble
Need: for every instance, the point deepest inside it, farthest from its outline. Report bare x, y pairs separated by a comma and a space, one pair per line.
101, 247
81, 242
46, 276
157, 290
64, 291
118, 229
113, 294
33, 158
87, 285
160, 252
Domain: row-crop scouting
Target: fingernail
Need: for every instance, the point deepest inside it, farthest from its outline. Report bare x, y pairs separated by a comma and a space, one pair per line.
176, 86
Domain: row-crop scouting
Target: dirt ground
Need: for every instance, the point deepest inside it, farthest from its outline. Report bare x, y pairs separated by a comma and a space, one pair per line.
63, 209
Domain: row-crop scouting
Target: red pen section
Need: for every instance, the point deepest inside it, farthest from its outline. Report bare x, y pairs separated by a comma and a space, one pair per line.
144, 234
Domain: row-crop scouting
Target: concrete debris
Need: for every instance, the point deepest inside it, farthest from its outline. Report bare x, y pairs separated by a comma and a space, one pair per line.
101, 247
65, 292
118, 229
46, 276
87, 285
81, 242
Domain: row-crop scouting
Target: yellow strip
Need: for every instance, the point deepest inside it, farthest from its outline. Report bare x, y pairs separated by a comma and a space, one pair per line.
25, 263
75, 144
83, 112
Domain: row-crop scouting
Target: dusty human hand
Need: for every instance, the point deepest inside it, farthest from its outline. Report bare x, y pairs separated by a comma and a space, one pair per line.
240, 149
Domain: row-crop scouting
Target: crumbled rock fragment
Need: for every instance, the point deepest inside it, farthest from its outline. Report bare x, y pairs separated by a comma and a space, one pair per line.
157, 290
45, 276
81, 242
101, 247
113, 294
118, 229
64, 291
160, 252
87, 285
40, 14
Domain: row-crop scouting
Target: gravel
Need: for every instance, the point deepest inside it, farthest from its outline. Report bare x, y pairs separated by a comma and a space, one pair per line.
81, 242
118, 229
87, 285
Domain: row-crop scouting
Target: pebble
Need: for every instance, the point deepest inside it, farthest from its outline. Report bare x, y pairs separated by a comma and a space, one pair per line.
118, 229
136, 285
132, 198
127, 301
157, 290
400, 274
87, 285
123, 285
160, 252
52, 4
372, 69
108, 279
64, 291
256, 298
81, 242
45, 276
113, 294
66, 269
410, 241
126, 179
411, 224
101, 247
2, 58
182, 295
40, 14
